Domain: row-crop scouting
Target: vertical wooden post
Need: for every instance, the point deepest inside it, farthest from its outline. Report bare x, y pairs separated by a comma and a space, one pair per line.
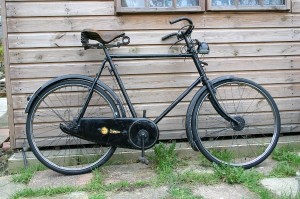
7, 76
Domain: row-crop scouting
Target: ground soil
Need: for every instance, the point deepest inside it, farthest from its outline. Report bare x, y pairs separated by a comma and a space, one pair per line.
4, 155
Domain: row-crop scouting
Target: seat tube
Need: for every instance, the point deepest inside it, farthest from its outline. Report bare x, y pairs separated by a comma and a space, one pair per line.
90, 94
120, 83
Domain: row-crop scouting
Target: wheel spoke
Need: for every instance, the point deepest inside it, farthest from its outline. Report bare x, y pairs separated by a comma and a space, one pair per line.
61, 103
231, 144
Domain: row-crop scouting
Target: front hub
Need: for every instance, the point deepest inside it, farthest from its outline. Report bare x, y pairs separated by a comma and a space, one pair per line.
241, 123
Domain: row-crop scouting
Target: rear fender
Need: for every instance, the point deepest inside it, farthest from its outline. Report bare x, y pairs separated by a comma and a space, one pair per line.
35, 95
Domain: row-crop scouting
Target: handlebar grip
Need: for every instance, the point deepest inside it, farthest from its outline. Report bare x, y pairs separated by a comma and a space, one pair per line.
180, 19
168, 36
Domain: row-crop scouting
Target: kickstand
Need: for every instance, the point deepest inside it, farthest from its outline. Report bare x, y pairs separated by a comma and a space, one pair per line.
143, 159
24, 155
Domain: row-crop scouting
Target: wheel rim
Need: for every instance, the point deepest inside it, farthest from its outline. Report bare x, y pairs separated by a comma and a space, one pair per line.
244, 145
63, 152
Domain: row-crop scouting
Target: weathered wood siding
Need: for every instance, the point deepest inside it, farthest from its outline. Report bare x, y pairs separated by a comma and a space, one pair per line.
44, 42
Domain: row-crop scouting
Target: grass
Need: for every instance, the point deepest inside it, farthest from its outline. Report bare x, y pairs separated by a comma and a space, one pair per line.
289, 161
182, 193
248, 178
196, 178
25, 175
43, 192
287, 153
283, 169
165, 158
165, 161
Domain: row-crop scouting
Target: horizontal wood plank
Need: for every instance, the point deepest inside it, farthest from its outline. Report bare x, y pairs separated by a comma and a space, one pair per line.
181, 134
169, 95
216, 50
169, 81
151, 22
72, 39
295, 6
167, 124
153, 110
169, 66
66, 8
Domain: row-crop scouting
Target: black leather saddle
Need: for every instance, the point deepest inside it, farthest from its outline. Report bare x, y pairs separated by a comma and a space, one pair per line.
103, 37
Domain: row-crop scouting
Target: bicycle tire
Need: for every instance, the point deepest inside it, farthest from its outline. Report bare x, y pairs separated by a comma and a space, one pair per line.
58, 103
223, 142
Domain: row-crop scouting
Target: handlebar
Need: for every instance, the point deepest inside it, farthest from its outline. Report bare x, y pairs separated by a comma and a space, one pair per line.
169, 36
179, 34
181, 19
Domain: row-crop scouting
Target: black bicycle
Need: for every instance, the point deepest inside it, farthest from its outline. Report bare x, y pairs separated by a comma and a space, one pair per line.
75, 122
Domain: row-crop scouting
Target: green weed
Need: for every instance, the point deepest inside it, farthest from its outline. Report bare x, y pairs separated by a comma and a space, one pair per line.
289, 161
96, 183
283, 169
203, 178
231, 175
249, 178
224, 155
204, 161
182, 193
288, 154
25, 175
126, 186
289, 196
98, 196
43, 192
165, 158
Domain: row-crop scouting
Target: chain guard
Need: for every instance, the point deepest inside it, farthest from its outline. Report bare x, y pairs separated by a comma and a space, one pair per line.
147, 126
118, 132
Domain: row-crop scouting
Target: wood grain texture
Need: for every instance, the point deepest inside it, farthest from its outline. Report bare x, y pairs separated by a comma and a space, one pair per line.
43, 42
295, 6
169, 81
72, 39
217, 50
169, 95
167, 124
67, 8
226, 65
151, 22
7, 74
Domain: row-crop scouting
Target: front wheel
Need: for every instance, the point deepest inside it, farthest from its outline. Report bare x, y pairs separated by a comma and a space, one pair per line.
59, 104
224, 142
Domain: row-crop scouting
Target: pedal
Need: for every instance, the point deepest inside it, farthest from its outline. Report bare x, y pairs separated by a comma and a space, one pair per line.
143, 159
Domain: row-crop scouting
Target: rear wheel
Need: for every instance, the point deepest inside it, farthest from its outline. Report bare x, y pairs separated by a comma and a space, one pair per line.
246, 144
61, 103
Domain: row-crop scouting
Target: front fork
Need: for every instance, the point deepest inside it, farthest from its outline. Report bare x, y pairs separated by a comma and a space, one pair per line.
214, 101
212, 92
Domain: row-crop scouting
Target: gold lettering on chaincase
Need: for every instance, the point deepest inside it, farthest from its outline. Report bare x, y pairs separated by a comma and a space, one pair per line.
112, 131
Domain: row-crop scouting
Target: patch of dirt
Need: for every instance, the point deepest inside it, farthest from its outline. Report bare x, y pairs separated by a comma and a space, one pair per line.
4, 156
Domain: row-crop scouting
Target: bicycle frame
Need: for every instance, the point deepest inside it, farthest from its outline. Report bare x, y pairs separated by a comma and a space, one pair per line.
199, 66
120, 83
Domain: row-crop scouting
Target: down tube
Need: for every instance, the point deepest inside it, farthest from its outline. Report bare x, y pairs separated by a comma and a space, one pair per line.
187, 91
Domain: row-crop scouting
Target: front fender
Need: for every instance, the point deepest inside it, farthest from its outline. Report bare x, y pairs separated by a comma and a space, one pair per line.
191, 108
72, 77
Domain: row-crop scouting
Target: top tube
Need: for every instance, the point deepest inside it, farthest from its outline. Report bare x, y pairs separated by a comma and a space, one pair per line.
149, 55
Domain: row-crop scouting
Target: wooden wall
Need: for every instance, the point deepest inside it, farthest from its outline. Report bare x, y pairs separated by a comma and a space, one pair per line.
43, 38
